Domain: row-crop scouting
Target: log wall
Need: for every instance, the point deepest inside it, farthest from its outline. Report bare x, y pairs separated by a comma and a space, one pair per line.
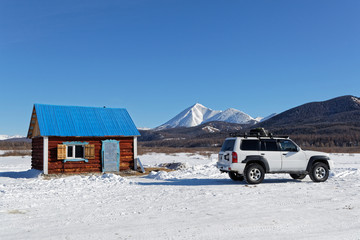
37, 153
93, 165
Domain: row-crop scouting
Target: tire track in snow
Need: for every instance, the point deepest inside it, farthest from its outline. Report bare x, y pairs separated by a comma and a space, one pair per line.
345, 172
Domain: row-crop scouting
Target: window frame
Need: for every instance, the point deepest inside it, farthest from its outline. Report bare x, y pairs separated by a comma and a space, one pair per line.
73, 145
74, 151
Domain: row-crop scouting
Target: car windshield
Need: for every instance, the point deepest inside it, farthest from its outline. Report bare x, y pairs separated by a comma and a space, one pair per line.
228, 145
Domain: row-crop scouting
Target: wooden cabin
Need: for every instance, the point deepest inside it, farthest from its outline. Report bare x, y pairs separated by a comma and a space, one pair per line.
71, 139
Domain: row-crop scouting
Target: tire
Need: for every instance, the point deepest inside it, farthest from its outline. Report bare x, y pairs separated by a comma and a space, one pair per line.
297, 176
254, 173
236, 177
319, 172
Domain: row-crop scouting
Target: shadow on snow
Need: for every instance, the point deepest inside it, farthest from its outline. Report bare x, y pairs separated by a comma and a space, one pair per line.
32, 173
208, 182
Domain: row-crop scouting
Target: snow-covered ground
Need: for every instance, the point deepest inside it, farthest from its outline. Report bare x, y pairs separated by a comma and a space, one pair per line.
195, 202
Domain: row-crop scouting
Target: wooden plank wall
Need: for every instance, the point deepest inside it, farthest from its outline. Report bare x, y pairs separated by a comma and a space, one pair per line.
94, 165
37, 153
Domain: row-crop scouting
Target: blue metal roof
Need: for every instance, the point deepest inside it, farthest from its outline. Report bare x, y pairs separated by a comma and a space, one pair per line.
84, 121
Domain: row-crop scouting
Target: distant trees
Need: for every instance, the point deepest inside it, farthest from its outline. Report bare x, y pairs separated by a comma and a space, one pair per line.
185, 143
15, 145
335, 142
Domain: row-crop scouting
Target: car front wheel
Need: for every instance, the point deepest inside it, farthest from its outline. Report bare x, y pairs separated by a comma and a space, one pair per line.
319, 172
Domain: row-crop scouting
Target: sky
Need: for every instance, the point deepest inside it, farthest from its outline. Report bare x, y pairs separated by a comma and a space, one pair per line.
157, 57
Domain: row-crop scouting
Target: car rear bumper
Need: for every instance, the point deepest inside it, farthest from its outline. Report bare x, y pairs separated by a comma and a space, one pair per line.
233, 167
223, 167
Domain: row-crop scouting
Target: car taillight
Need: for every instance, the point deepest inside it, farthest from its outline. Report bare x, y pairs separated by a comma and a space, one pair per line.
234, 157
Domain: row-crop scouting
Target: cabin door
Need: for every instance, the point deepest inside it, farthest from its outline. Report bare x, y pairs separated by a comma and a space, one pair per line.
110, 156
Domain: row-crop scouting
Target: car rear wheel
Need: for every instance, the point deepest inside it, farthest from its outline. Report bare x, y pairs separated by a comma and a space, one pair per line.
298, 176
319, 172
254, 173
235, 176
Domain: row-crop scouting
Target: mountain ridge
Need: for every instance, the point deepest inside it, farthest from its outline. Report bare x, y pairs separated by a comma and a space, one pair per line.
6, 137
341, 109
198, 114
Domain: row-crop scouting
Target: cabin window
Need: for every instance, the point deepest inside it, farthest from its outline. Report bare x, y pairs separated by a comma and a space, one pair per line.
75, 151
69, 152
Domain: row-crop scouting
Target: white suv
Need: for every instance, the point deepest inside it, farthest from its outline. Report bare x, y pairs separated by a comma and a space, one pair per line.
250, 157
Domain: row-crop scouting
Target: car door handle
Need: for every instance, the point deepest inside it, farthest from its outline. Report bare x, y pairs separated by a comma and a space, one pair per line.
262, 154
284, 154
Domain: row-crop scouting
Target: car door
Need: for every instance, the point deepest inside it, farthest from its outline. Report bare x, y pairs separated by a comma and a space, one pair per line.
270, 151
292, 158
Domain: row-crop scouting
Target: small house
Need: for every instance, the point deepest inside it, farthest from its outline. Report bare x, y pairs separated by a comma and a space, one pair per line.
72, 139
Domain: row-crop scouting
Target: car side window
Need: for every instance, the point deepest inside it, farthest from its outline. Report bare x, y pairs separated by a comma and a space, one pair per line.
250, 145
271, 146
288, 146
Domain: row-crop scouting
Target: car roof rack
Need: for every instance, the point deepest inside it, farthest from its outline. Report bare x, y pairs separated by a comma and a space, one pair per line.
258, 133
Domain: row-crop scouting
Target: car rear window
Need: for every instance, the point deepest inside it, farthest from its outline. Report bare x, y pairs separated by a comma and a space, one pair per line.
249, 145
228, 145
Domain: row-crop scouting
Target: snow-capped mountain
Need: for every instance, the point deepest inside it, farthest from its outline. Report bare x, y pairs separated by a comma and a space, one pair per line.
5, 137
143, 128
190, 117
198, 114
231, 115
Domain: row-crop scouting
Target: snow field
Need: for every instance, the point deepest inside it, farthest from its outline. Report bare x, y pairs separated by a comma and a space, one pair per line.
194, 202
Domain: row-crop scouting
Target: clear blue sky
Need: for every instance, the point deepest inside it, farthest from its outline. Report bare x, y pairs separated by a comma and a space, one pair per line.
158, 57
